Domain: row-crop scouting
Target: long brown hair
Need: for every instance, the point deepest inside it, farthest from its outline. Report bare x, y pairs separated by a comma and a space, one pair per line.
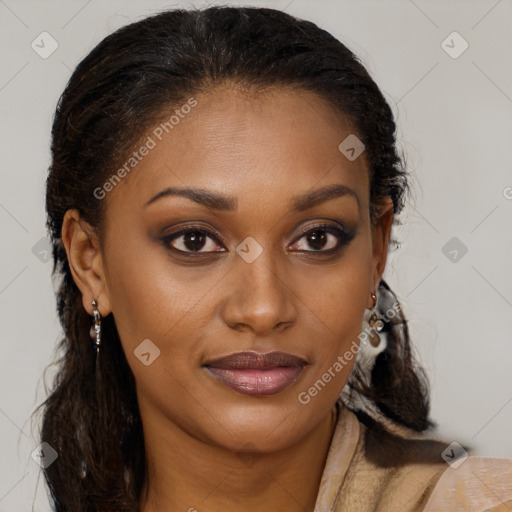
91, 418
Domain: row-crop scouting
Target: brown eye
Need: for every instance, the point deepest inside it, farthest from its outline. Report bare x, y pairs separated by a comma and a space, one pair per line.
192, 240
322, 238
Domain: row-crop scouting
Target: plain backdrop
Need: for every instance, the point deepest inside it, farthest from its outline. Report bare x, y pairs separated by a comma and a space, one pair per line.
452, 271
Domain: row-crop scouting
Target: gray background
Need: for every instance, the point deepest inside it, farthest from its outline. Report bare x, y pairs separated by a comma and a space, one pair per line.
454, 117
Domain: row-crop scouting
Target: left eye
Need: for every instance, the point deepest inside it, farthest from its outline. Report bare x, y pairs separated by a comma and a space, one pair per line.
322, 239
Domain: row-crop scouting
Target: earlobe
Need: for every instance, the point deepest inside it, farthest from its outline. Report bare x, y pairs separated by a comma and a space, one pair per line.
85, 261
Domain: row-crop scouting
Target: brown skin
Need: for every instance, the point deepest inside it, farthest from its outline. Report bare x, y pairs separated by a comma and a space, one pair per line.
263, 150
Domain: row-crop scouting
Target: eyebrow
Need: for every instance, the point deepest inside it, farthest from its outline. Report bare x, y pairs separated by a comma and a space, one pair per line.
217, 201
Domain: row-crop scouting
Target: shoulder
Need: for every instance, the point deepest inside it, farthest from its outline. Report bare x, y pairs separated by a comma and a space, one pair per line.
394, 469
391, 470
479, 484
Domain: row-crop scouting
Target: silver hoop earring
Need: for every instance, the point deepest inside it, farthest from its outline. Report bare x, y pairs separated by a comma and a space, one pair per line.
95, 332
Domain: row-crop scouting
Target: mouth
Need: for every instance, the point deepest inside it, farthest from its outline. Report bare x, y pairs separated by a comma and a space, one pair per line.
256, 374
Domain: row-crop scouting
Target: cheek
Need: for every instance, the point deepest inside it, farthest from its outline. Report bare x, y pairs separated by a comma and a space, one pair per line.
142, 294
157, 313
335, 307
338, 294
154, 299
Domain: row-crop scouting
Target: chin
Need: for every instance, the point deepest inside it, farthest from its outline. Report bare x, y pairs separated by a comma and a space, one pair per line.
264, 427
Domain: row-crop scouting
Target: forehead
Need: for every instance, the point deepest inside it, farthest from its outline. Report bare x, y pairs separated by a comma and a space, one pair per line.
258, 147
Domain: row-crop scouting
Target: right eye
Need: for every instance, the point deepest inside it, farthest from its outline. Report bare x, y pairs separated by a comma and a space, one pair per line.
191, 240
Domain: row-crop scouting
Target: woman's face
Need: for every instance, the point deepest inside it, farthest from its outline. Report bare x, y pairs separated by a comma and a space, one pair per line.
254, 273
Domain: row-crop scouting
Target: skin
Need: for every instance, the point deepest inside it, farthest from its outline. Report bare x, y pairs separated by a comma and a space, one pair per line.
209, 447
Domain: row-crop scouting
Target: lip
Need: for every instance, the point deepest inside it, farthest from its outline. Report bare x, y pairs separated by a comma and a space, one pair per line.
256, 374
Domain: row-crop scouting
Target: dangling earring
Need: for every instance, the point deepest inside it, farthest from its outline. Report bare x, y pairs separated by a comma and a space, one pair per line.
371, 344
376, 323
95, 332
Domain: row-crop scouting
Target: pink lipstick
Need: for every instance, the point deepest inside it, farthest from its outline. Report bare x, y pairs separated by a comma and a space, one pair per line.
256, 374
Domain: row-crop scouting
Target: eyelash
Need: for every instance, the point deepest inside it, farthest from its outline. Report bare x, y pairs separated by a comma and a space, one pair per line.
344, 238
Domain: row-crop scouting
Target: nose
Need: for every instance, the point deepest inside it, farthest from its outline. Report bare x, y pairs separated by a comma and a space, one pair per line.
260, 297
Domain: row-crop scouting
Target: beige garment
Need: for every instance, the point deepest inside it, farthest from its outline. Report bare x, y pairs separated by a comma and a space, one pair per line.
371, 469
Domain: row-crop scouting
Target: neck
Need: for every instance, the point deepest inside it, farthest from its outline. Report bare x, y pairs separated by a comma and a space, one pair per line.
185, 473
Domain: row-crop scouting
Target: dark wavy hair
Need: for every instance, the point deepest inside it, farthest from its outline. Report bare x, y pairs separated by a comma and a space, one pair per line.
116, 94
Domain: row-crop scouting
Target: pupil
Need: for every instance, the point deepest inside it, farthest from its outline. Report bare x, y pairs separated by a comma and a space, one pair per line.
194, 240
317, 241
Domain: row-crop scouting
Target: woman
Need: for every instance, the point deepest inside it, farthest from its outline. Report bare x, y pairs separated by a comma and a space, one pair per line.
220, 200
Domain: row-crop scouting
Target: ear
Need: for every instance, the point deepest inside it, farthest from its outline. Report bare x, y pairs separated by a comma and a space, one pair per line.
381, 232
85, 261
